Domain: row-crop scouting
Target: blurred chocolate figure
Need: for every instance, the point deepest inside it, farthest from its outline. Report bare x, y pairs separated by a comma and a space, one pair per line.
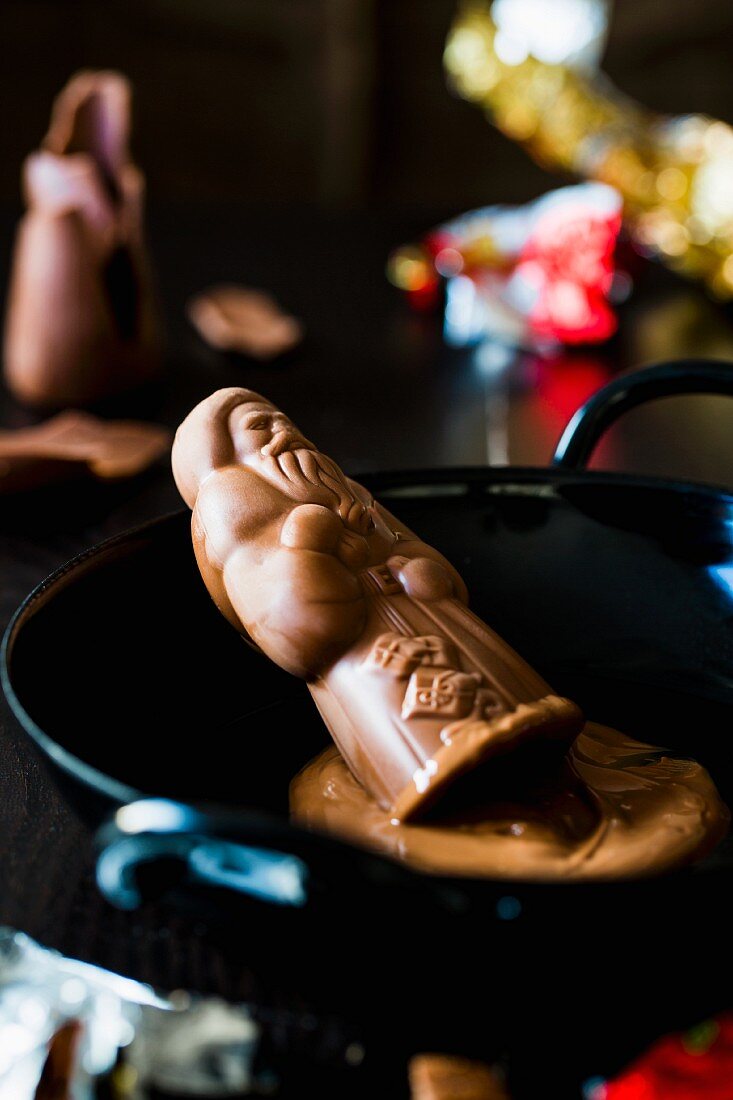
413, 687
80, 323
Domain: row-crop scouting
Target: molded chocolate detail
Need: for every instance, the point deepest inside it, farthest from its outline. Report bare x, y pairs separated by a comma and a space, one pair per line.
74, 441
413, 687
80, 322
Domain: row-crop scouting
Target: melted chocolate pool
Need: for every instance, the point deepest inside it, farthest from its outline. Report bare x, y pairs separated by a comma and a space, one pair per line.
617, 808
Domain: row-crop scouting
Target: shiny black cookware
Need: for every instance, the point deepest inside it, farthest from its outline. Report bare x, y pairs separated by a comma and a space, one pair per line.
179, 742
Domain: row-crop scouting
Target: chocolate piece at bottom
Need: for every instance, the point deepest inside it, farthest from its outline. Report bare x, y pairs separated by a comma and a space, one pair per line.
57, 1077
448, 1077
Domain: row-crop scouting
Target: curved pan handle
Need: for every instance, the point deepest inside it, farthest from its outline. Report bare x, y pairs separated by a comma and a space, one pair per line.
208, 849
682, 376
155, 848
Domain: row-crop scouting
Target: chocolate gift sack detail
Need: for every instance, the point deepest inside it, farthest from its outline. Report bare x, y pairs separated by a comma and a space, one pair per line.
414, 688
80, 322
443, 692
400, 655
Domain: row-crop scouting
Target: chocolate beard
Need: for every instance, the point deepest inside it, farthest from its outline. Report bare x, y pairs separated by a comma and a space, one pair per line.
312, 478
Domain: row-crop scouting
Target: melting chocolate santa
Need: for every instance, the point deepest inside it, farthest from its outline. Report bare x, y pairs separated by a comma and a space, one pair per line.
414, 689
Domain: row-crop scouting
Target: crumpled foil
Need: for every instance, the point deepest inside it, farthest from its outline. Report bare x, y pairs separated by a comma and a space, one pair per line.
66, 1025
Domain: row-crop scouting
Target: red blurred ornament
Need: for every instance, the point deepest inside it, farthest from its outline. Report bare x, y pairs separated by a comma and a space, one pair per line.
697, 1065
541, 273
569, 259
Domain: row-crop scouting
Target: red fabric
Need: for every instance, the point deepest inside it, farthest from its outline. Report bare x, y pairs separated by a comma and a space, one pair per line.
566, 263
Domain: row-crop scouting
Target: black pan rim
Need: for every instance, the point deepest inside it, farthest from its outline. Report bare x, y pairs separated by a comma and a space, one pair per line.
120, 793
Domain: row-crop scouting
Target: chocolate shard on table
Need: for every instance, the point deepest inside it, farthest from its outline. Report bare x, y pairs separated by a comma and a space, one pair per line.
76, 442
81, 322
235, 318
414, 688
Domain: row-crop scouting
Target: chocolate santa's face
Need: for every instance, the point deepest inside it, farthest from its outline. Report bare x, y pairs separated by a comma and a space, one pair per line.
259, 430
268, 442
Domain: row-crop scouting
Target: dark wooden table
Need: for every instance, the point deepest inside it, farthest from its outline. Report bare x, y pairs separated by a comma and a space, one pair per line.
375, 385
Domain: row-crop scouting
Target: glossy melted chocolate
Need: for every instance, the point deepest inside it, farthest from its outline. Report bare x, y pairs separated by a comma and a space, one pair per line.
617, 808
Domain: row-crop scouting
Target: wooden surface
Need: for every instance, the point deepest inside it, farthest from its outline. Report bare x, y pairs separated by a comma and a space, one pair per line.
377, 388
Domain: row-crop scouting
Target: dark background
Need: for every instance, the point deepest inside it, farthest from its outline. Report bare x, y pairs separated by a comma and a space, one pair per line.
336, 102
289, 144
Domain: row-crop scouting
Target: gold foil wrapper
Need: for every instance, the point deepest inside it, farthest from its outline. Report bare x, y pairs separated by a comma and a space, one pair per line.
675, 174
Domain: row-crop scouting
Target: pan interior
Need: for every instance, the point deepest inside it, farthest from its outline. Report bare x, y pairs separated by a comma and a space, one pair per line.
619, 595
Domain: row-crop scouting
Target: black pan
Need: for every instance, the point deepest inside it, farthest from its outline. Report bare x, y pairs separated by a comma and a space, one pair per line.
619, 589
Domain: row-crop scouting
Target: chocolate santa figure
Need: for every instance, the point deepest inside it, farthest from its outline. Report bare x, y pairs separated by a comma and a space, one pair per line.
413, 687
